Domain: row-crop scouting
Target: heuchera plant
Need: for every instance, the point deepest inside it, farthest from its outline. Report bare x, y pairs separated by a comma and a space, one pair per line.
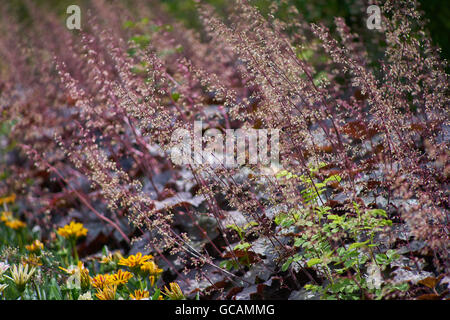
358, 200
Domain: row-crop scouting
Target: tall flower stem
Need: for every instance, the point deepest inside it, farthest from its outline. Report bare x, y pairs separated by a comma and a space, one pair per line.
74, 249
37, 290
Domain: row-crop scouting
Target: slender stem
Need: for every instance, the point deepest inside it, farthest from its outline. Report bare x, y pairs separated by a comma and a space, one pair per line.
37, 290
75, 252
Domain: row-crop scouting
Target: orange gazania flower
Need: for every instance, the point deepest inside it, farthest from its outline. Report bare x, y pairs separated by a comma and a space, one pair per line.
174, 293
101, 281
107, 293
121, 277
140, 294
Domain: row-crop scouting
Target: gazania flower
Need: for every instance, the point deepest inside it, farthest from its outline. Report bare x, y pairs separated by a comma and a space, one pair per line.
9, 199
6, 216
31, 260
174, 293
140, 295
36, 246
151, 268
74, 230
152, 280
82, 272
107, 293
121, 277
135, 261
15, 224
21, 275
85, 279
101, 281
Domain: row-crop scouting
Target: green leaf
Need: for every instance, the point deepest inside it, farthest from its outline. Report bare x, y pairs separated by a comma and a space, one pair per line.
55, 291
128, 24
298, 242
357, 245
156, 294
392, 254
227, 264
242, 246
131, 52
281, 174
250, 224
348, 263
313, 262
381, 258
286, 265
334, 177
401, 286
175, 96
305, 54
141, 40
378, 212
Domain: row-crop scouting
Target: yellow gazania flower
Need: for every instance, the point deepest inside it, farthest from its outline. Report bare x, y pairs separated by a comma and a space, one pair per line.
31, 260
102, 281
151, 268
85, 279
6, 216
15, 224
9, 199
107, 293
175, 292
121, 277
35, 246
21, 275
73, 230
152, 280
140, 294
74, 269
81, 271
135, 260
